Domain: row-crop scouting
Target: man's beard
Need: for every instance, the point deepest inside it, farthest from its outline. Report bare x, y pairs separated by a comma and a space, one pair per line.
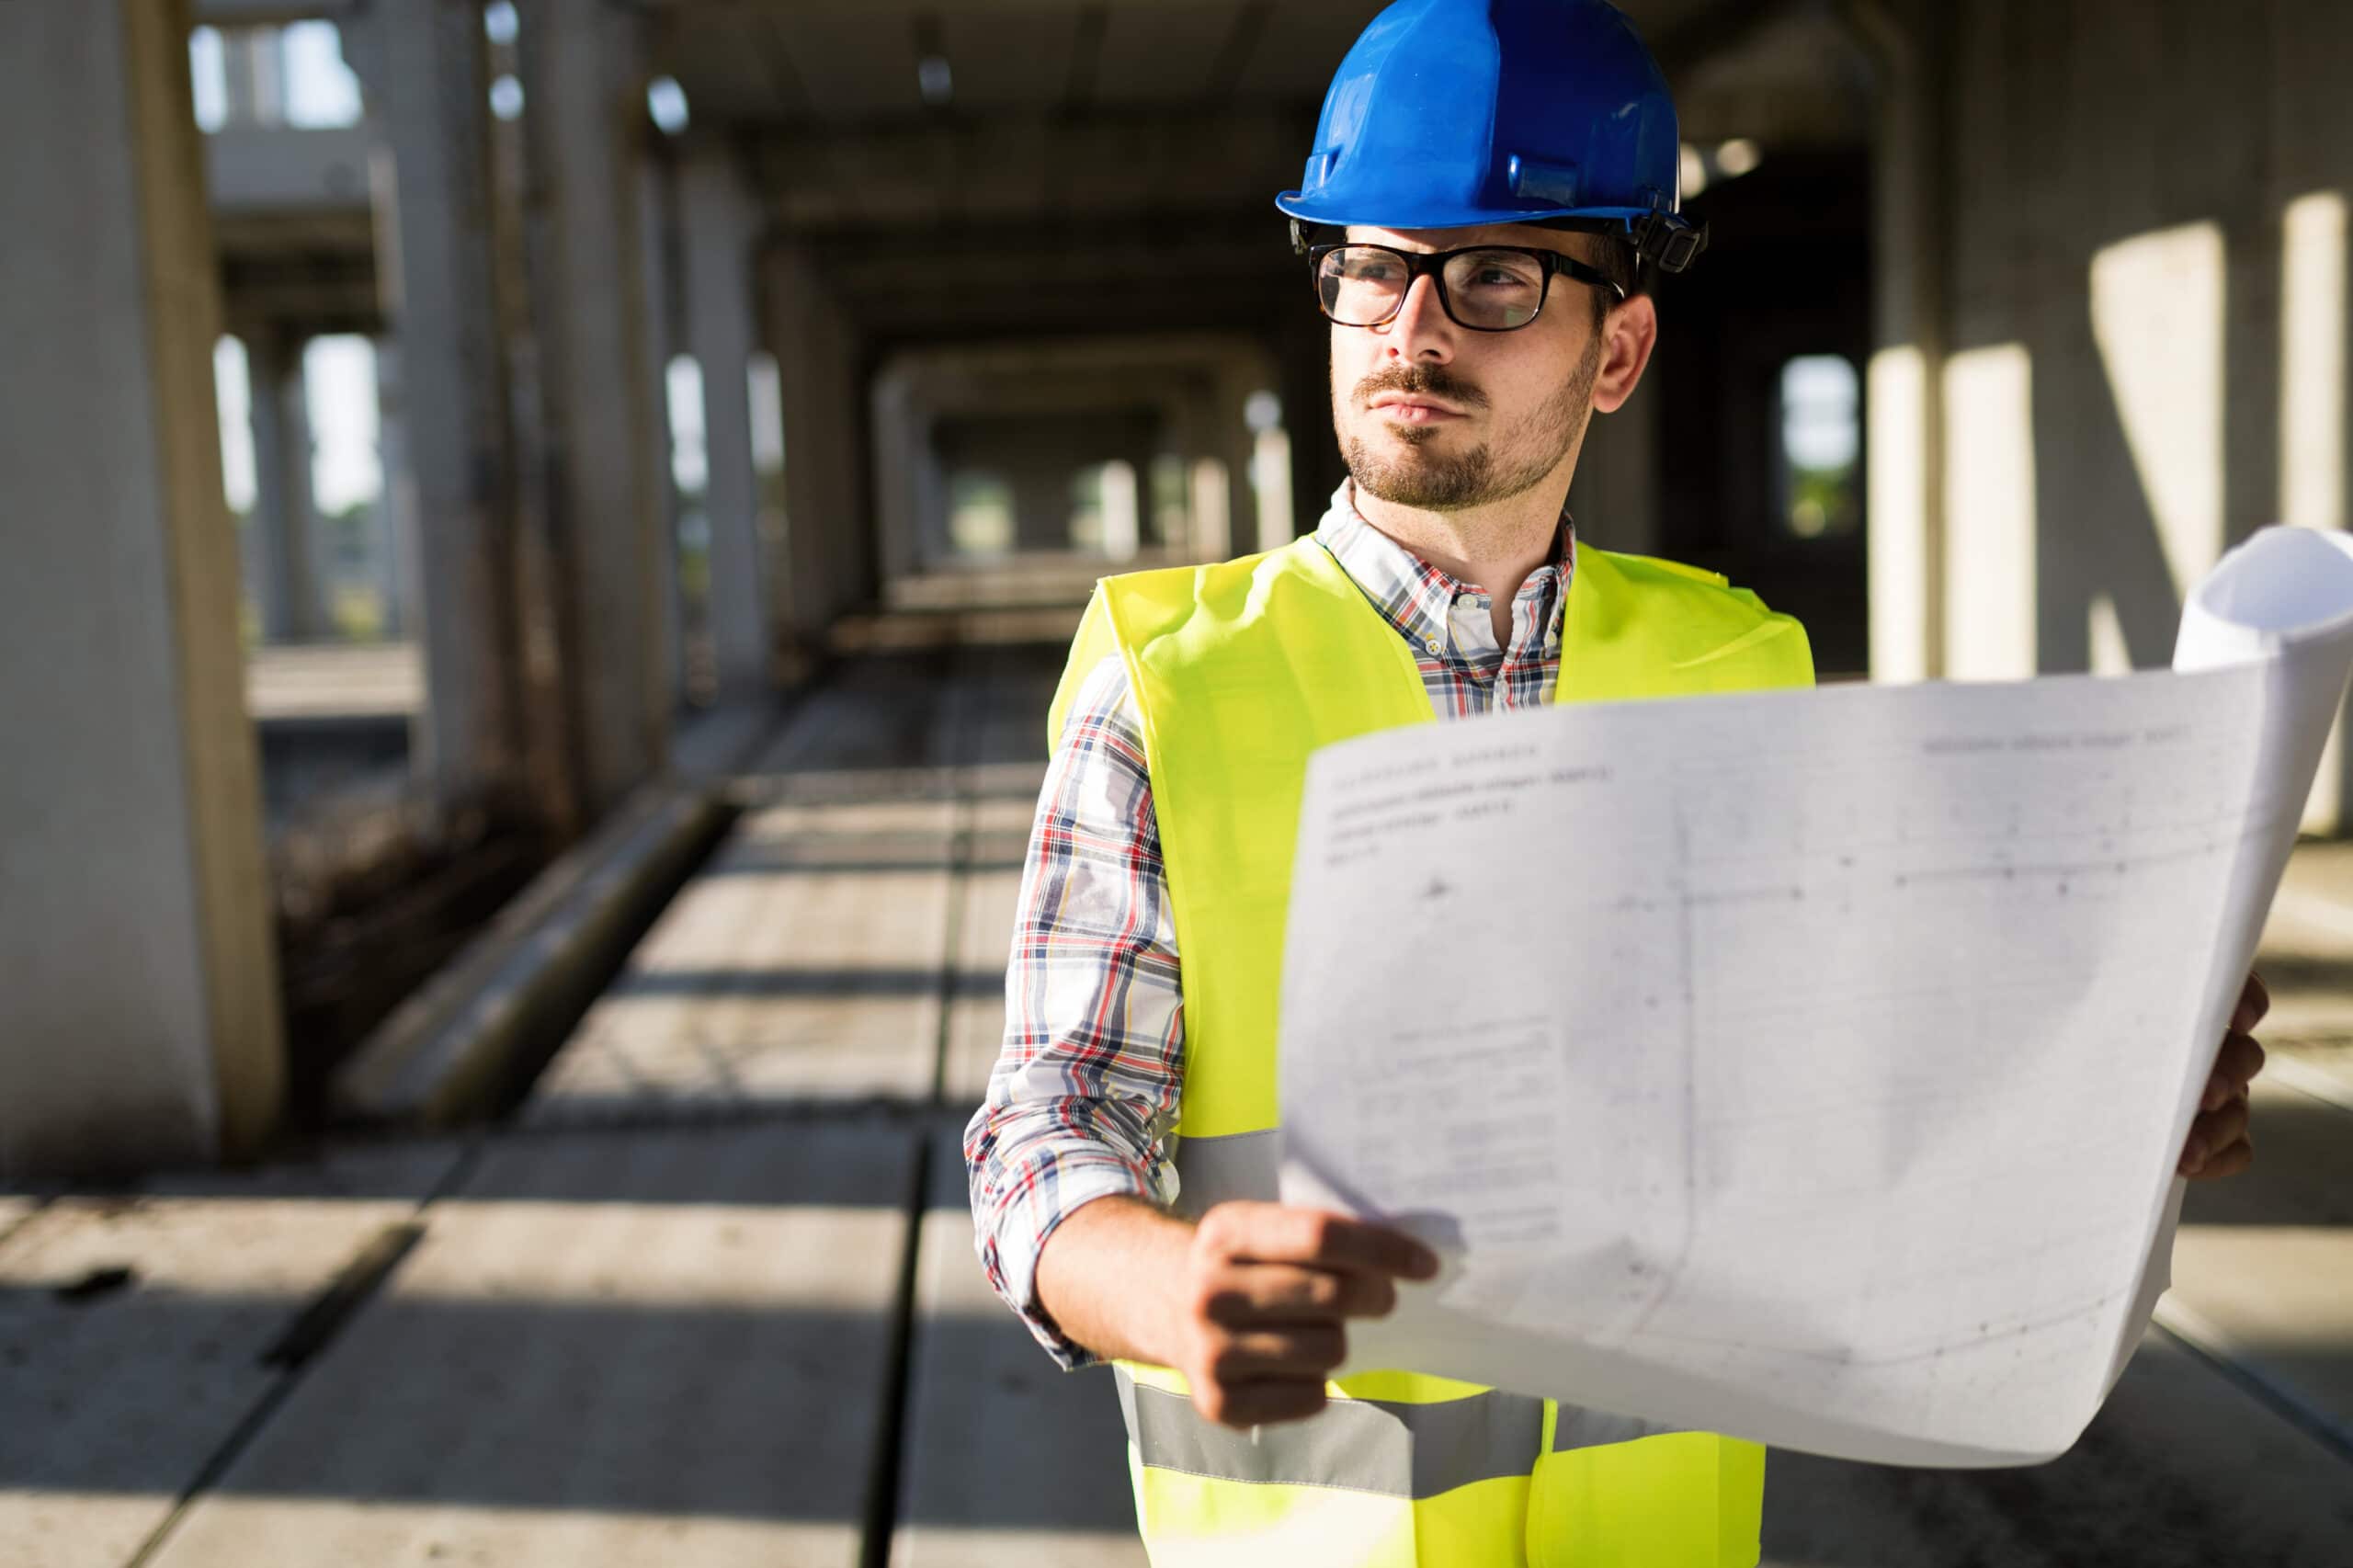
1423, 479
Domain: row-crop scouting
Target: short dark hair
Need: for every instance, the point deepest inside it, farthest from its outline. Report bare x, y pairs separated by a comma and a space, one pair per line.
1622, 265
1615, 257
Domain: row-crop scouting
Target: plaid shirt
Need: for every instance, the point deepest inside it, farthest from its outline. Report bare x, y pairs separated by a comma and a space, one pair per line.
1085, 1090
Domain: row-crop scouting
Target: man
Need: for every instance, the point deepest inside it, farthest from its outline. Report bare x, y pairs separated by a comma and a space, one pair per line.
1490, 181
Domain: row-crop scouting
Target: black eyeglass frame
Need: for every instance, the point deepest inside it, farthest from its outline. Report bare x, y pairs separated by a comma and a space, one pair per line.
1433, 263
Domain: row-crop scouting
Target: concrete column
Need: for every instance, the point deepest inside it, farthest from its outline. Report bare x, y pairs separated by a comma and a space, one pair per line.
1305, 385
285, 517
904, 547
252, 60
830, 559
1139, 456
1213, 517
583, 86
449, 495
932, 500
1614, 495
396, 566
768, 471
657, 245
1904, 387
1040, 485
718, 220
1122, 527
138, 975
1233, 443
1207, 495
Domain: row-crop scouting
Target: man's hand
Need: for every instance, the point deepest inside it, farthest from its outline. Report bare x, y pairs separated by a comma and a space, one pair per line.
1249, 1304
1267, 1289
2218, 1142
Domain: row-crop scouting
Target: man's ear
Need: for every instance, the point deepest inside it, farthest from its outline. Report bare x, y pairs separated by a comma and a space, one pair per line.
1629, 333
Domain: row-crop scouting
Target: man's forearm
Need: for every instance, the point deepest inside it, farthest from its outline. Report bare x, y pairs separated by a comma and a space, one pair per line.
1113, 1277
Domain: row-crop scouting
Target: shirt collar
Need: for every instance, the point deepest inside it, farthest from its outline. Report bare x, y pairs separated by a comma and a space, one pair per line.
1414, 596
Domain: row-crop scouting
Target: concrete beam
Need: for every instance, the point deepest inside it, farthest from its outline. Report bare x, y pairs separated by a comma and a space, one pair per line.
138, 990
281, 169
273, 12
1231, 273
1029, 165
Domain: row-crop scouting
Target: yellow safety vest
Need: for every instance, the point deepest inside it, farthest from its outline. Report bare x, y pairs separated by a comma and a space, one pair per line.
1239, 671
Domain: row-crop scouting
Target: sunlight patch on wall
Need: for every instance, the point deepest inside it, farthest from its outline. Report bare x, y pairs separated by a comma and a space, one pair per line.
233, 391
1121, 527
1895, 406
1989, 514
1212, 511
2111, 655
2311, 362
2311, 414
2158, 316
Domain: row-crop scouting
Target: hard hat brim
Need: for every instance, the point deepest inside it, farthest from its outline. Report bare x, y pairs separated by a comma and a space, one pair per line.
1447, 215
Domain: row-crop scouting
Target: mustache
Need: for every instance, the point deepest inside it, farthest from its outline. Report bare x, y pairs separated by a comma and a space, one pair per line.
1421, 380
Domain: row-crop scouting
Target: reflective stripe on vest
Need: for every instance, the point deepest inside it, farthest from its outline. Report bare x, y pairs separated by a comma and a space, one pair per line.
1369, 1445
1239, 671
1387, 1447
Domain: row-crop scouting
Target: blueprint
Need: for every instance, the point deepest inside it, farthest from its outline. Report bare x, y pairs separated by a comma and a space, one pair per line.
1809, 1066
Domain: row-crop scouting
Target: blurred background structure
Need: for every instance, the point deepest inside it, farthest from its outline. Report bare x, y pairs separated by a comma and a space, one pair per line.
540, 536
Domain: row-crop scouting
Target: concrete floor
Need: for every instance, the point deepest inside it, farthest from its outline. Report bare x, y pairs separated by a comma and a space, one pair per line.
710, 1298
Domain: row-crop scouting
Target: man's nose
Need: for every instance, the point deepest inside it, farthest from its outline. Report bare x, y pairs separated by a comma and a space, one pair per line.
1420, 332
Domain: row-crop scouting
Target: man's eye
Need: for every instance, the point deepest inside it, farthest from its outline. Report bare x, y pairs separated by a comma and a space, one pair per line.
1493, 274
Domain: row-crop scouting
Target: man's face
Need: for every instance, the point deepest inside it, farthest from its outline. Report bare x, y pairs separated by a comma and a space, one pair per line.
1436, 416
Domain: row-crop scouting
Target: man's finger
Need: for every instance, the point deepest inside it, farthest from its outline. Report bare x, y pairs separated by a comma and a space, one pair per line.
2212, 1132
2254, 1000
1261, 1402
2235, 1066
2227, 1162
1278, 1233
1305, 1350
1285, 1292
2240, 1059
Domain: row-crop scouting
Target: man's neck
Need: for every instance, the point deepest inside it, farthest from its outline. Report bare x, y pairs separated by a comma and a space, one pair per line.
1495, 548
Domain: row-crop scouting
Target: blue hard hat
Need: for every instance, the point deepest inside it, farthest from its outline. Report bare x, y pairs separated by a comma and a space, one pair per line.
1452, 113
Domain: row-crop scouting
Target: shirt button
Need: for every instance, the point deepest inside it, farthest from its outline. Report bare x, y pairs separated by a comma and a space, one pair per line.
1431, 644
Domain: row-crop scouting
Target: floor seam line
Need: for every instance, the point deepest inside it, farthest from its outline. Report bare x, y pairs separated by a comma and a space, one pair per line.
2186, 1327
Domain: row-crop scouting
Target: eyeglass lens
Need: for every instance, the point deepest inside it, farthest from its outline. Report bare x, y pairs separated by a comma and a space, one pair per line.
1491, 291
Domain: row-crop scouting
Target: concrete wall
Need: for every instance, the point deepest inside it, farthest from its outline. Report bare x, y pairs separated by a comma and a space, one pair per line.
2136, 222
1614, 496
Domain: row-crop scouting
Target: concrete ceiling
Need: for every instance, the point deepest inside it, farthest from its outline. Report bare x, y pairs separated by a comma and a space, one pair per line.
1085, 108
809, 64
1095, 164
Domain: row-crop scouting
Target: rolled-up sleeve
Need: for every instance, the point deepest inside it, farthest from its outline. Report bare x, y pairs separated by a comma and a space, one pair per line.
1085, 1088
